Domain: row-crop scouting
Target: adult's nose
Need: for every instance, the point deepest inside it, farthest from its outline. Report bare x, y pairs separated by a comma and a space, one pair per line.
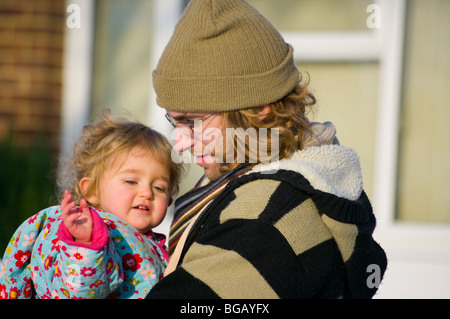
183, 139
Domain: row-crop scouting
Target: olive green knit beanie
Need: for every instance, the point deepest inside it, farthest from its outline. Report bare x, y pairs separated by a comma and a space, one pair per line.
223, 56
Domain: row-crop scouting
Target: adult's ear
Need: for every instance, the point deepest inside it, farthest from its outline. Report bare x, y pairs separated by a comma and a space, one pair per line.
263, 112
84, 186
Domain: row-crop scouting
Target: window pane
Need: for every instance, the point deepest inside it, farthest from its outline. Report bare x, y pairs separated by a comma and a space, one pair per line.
347, 96
424, 169
315, 15
121, 70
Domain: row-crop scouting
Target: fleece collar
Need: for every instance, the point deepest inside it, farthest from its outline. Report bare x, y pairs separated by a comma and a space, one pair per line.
332, 169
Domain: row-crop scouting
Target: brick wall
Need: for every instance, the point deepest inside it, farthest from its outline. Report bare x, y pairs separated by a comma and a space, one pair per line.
31, 57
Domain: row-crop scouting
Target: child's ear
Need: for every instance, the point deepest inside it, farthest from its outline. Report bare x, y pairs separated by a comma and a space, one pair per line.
84, 186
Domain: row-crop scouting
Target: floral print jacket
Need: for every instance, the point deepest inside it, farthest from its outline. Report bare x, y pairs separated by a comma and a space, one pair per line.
43, 261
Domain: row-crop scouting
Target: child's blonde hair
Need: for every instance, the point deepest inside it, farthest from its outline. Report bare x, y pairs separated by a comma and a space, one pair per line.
100, 144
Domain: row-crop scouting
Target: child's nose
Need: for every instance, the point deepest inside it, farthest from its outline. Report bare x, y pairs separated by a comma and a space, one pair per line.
147, 192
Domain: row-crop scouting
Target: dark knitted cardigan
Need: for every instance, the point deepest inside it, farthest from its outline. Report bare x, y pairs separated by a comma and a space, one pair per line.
272, 234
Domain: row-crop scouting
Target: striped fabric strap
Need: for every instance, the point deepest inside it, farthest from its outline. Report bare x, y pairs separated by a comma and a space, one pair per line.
187, 206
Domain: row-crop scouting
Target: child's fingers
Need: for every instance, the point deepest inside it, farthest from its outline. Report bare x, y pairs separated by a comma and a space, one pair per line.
67, 195
85, 208
84, 205
67, 198
71, 214
67, 207
72, 220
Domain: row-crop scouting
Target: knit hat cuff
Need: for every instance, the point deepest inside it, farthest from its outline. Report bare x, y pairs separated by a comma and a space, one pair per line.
211, 94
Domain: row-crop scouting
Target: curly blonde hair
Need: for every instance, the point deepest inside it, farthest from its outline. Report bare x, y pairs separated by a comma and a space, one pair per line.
101, 143
287, 116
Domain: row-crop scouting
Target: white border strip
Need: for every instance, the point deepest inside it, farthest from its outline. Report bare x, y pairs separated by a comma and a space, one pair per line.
77, 77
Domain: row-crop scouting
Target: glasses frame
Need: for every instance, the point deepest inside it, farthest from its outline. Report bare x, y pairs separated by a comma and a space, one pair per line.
190, 126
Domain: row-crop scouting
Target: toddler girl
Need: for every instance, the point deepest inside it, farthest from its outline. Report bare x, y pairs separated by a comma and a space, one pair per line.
122, 177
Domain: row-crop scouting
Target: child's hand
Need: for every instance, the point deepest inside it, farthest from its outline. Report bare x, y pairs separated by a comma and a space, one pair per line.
78, 223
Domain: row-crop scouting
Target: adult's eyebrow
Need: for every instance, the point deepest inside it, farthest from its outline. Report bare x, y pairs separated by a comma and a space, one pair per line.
180, 118
187, 116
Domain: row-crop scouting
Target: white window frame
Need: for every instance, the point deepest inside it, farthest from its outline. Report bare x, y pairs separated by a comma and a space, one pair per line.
78, 59
165, 16
77, 77
410, 246
384, 45
418, 253
420, 250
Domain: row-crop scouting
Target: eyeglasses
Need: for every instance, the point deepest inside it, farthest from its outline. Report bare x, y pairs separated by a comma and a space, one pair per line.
189, 125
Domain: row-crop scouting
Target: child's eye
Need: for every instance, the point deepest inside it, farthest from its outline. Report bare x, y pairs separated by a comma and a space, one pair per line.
131, 182
160, 189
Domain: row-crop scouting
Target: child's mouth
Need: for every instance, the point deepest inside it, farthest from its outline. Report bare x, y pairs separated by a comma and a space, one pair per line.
141, 208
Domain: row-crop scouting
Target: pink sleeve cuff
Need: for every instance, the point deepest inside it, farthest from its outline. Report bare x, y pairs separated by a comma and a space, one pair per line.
160, 240
99, 234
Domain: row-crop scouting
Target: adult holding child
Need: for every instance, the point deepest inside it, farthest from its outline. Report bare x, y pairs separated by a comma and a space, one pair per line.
289, 222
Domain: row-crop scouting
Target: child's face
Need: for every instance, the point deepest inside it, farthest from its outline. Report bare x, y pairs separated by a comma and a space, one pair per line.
137, 192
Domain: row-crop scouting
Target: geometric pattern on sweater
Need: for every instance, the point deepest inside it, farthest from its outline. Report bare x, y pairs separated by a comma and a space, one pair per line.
275, 236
